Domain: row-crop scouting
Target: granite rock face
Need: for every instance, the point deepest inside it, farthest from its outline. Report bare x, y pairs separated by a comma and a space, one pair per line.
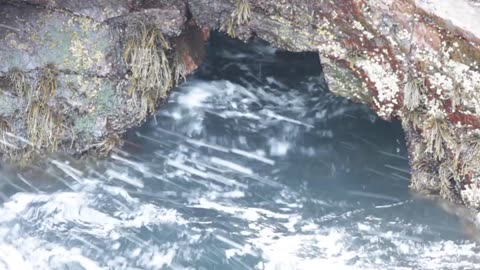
114, 61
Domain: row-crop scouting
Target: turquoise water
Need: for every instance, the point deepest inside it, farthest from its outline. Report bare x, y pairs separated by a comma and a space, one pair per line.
251, 164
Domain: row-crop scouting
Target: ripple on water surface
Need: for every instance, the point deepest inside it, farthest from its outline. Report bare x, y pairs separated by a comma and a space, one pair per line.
252, 164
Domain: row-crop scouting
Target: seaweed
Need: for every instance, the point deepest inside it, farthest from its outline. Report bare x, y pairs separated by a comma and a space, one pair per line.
108, 144
467, 157
241, 15
412, 93
151, 79
47, 83
437, 135
179, 68
5, 128
449, 184
19, 82
413, 117
44, 128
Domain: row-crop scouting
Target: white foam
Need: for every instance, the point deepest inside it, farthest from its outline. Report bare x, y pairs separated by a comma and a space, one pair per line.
33, 253
271, 114
12, 259
125, 177
195, 96
186, 168
278, 148
253, 156
247, 213
211, 146
231, 165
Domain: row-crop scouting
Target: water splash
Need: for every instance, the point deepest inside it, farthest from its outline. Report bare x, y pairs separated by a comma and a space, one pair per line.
244, 168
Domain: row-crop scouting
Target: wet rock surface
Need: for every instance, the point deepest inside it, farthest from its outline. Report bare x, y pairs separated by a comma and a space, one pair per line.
72, 67
412, 60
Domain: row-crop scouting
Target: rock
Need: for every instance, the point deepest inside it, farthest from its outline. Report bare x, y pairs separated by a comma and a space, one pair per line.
71, 72
97, 10
417, 61
71, 43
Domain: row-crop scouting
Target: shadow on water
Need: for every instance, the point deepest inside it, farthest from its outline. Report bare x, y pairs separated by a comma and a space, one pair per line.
252, 164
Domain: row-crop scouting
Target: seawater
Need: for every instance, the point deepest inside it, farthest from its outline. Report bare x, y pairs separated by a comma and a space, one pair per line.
252, 164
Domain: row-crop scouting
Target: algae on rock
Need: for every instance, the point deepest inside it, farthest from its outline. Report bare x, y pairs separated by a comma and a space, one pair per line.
240, 15
151, 78
44, 127
65, 83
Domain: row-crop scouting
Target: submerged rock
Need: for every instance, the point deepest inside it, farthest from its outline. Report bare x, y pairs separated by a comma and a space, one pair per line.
107, 64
